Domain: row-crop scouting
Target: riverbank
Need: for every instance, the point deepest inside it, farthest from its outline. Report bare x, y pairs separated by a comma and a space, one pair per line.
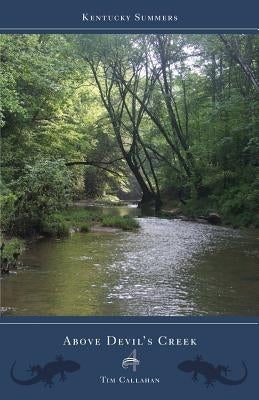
209, 217
75, 219
193, 211
226, 210
61, 224
102, 217
167, 267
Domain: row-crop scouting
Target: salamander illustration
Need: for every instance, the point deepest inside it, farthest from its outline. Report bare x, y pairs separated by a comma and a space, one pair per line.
46, 373
210, 372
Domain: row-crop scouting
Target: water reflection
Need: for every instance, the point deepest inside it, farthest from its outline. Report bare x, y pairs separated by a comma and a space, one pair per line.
169, 267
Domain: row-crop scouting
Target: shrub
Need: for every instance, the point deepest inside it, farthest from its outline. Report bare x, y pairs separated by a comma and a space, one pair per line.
42, 189
11, 250
7, 205
85, 227
55, 225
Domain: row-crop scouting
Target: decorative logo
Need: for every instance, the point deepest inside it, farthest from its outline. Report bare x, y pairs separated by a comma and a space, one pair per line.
131, 361
210, 372
47, 372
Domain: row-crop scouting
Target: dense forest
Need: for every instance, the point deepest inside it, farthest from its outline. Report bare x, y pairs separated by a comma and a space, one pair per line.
170, 120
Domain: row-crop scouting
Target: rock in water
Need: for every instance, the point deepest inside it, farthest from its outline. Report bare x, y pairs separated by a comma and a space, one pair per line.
214, 218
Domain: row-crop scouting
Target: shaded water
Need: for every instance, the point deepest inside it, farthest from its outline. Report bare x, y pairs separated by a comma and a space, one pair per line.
169, 267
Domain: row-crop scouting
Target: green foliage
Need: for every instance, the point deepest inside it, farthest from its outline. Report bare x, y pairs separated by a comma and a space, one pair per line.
54, 225
124, 223
51, 110
95, 183
84, 219
43, 188
251, 151
239, 205
85, 227
8, 205
12, 249
76, 216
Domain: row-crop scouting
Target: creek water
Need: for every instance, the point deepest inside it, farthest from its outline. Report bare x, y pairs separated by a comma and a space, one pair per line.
168, 267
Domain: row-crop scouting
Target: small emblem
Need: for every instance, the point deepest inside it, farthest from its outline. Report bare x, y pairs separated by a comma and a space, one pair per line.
131, 361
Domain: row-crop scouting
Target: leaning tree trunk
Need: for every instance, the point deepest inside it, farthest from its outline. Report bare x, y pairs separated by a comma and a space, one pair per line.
149, 197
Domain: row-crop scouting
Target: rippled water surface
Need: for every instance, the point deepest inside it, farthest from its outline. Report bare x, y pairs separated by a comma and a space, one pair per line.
169, 267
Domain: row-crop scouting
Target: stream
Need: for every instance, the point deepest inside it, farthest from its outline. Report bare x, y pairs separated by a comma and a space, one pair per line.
168, 267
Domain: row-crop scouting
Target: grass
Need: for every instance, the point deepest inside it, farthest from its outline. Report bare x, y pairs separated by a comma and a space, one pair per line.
83, 220
77, 215
124, 223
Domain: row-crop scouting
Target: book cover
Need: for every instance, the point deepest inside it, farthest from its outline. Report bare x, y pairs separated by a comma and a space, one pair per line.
129, 200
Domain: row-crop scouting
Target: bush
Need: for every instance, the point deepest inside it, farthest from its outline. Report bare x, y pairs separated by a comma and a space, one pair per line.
85, 227
7, 205
55, 225
12, 247
11, 251
42, 189
239, 205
